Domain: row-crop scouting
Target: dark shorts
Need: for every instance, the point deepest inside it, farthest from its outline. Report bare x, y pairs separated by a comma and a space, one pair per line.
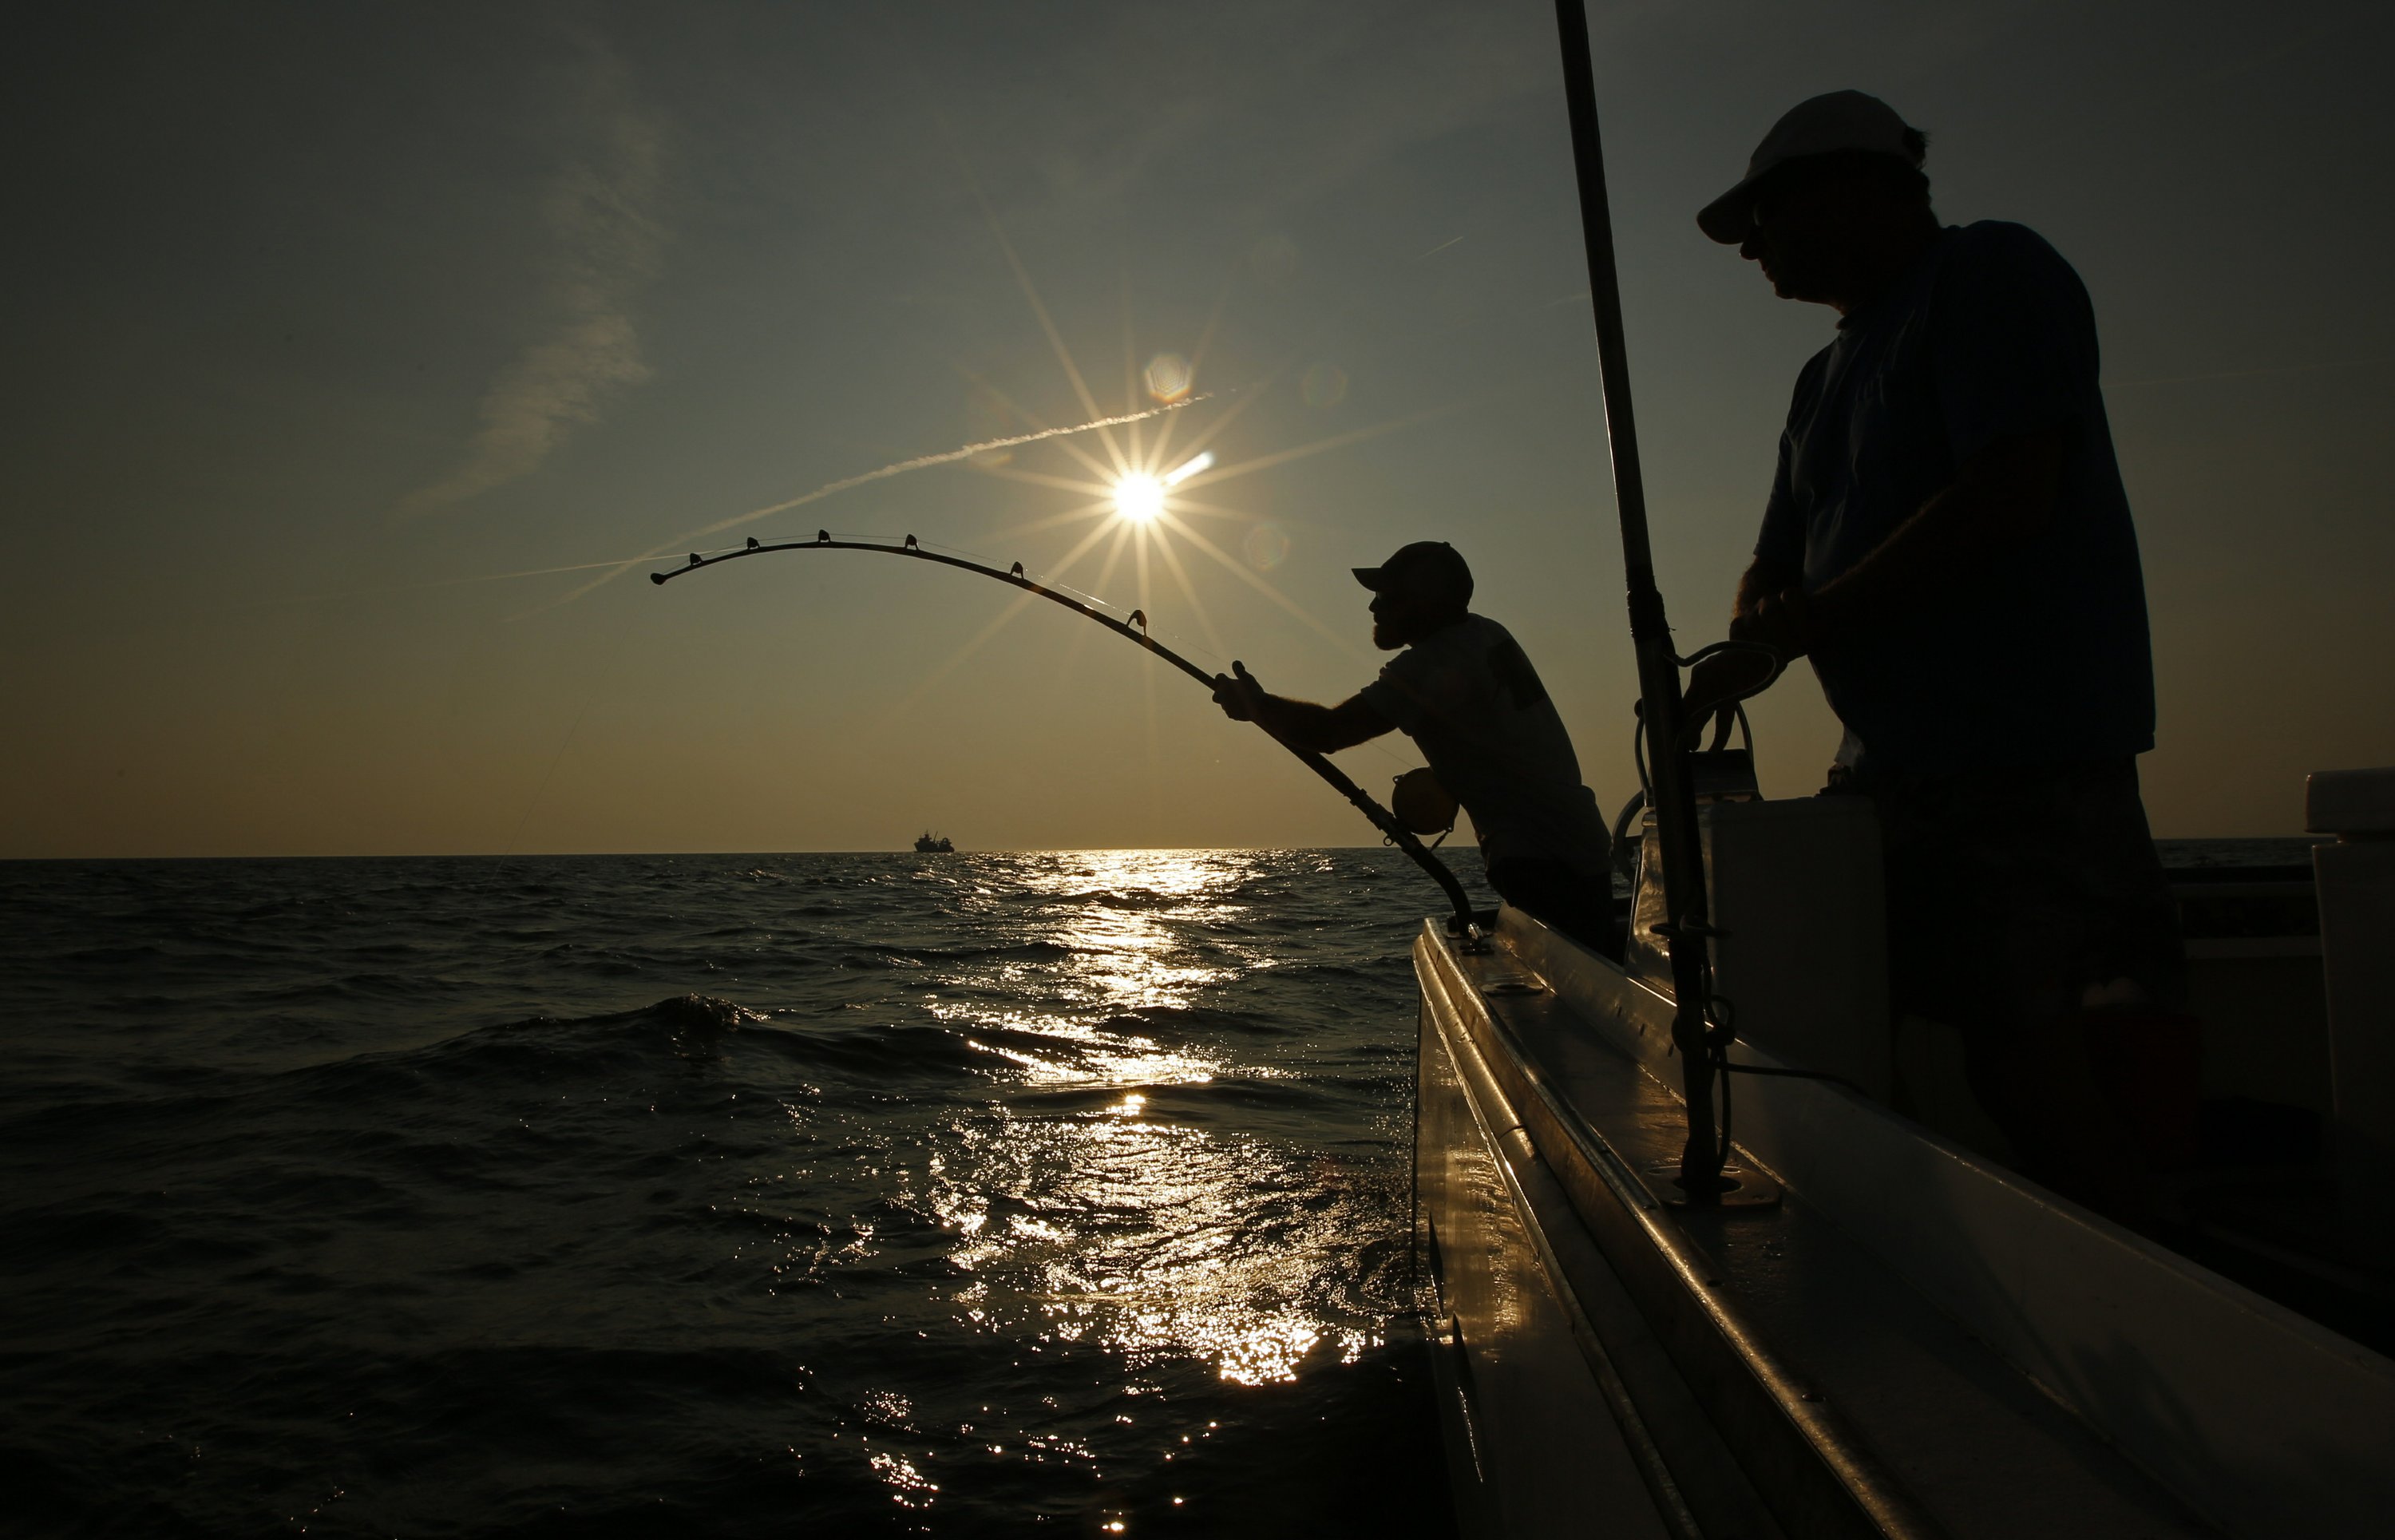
2024, 895
1580, 907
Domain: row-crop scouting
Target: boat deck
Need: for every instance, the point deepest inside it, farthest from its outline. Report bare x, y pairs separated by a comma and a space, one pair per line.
1911, 1342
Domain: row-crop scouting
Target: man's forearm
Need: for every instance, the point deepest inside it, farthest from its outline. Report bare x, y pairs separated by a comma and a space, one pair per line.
1300, 724
1928, 553
2004, 496
1322, 729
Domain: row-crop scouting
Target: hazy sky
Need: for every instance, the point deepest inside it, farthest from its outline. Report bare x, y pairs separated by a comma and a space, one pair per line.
312, 310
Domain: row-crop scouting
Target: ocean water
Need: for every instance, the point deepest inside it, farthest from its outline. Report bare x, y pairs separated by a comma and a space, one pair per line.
1052, 1193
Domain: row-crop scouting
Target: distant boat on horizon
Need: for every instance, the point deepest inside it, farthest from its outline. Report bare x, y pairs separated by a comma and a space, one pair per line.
928, 843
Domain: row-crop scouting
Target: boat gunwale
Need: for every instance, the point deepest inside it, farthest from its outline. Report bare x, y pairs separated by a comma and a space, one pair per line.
1521, 1168
1802, 1456
2075, 1304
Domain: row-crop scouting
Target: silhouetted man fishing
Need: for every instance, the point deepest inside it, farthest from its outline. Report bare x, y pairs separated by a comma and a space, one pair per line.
1948, 540
1462, 689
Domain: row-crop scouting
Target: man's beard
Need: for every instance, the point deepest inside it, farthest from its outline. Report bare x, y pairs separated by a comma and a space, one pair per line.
1386, 636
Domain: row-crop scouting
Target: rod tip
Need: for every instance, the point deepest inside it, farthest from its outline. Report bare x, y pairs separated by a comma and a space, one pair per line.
657, 578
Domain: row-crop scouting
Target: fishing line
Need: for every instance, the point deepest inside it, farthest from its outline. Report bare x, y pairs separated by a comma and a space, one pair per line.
542, 790
948, 456
1466, 922
1184, 643
1035, 434
921, 462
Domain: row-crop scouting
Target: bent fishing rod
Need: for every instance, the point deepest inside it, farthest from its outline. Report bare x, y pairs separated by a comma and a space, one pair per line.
1463, 923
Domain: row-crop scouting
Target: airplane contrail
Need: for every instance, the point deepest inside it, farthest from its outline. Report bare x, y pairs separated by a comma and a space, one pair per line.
945, 456
921, 462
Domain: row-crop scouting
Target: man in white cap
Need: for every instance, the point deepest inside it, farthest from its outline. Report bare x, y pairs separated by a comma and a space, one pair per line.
1464, 691
1948, 539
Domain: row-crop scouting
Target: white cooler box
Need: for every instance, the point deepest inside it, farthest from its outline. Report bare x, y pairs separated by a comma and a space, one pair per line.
1797, 887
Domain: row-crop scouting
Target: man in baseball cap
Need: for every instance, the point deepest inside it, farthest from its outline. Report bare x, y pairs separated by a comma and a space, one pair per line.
1948, 539
1431, 567
1842, 123
1463, 690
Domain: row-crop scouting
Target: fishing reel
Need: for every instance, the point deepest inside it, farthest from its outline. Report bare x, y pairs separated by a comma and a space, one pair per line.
1422, 804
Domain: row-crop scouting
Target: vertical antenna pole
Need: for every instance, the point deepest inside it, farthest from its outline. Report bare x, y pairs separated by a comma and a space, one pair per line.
1659, 674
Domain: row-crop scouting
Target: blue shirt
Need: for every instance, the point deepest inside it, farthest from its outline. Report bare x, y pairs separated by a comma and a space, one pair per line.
2041, 656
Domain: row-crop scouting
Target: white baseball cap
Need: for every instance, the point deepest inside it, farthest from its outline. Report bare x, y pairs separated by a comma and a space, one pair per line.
1841, 120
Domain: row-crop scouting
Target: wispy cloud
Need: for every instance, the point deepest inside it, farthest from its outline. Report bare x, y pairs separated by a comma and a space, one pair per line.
1206, 86
608, 246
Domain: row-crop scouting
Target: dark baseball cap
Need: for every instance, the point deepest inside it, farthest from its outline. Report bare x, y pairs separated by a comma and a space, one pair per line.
1431, 567
1820, 126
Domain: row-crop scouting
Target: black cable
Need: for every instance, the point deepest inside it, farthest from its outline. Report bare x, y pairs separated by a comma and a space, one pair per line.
1720, 1052
1720, 1032
1778, 660
1793, 1074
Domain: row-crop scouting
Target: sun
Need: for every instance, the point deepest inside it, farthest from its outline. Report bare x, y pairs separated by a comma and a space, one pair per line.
1139, 498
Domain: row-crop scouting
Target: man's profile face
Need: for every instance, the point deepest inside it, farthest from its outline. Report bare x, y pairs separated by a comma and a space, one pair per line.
1402, 616
1808, 223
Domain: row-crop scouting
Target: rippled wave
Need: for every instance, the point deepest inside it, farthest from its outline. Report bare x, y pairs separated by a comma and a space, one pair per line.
710, 1195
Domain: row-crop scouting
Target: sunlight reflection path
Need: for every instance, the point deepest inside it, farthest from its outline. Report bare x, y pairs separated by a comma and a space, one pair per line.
1098, 1207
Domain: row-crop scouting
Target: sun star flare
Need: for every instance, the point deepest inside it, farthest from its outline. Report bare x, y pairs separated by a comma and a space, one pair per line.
1139, 498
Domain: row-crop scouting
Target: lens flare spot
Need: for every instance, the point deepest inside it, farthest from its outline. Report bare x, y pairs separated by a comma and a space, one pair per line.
1189, 468
1139, 498
1324, 384
1169, 377
1266, 547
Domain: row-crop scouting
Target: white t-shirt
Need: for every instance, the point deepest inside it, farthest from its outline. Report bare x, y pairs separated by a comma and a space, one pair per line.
1468, 698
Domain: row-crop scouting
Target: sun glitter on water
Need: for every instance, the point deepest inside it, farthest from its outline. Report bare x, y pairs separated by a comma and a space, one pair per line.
1123, 1225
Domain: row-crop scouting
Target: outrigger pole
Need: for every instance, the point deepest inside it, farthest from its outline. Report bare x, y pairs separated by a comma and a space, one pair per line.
1464, 923
1673, 794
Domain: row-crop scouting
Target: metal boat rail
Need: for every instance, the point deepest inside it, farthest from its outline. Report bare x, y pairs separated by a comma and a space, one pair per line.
1915, 1341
